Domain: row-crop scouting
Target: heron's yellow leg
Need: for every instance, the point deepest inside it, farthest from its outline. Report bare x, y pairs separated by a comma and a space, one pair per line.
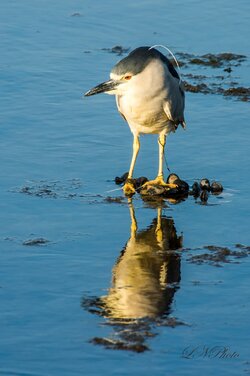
128, 187
161, 142
136, 147
159, 180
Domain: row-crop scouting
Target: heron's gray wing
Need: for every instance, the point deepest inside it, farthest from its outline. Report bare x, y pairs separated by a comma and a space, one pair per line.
174, 103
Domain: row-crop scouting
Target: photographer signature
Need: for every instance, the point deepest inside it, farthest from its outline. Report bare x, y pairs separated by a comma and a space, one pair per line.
211, 352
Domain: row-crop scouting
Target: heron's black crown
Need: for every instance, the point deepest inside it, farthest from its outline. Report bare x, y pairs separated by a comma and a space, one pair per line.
138, 59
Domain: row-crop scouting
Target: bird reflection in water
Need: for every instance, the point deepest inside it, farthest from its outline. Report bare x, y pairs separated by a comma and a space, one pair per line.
144, 281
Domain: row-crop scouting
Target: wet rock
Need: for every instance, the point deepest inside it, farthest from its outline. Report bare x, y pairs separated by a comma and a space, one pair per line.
205, 184
139, 182
179, 192
182, 186
216, 187
195, 191
172, 178
121, 179
153, 190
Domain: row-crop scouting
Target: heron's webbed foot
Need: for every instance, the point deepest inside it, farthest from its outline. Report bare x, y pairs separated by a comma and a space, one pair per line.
129, 187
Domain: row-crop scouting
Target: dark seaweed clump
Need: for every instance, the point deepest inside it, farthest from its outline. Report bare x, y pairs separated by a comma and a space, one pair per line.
216, 256
221, 84
35, 242
196, 88
217, 60
43, 189
242, 93
118, 50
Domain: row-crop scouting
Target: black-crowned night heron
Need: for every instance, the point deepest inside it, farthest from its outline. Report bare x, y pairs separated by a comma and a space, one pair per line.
150, 97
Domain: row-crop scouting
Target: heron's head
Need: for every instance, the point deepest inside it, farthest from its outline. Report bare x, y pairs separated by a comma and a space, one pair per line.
127, 70
120, 77
115, 85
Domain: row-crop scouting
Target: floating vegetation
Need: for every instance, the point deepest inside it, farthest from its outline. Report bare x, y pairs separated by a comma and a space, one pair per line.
222, 84
216, 256
35, 242
118, 50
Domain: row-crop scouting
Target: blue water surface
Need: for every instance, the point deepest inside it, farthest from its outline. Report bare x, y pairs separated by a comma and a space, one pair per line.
59, 154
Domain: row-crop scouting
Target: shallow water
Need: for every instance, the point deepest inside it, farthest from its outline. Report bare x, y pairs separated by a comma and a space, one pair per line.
59, 155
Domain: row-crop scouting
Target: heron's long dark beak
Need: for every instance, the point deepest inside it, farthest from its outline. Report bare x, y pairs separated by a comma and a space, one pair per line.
102, 88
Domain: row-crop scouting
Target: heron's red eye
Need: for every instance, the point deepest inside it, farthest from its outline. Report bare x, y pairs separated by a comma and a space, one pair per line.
128, 77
